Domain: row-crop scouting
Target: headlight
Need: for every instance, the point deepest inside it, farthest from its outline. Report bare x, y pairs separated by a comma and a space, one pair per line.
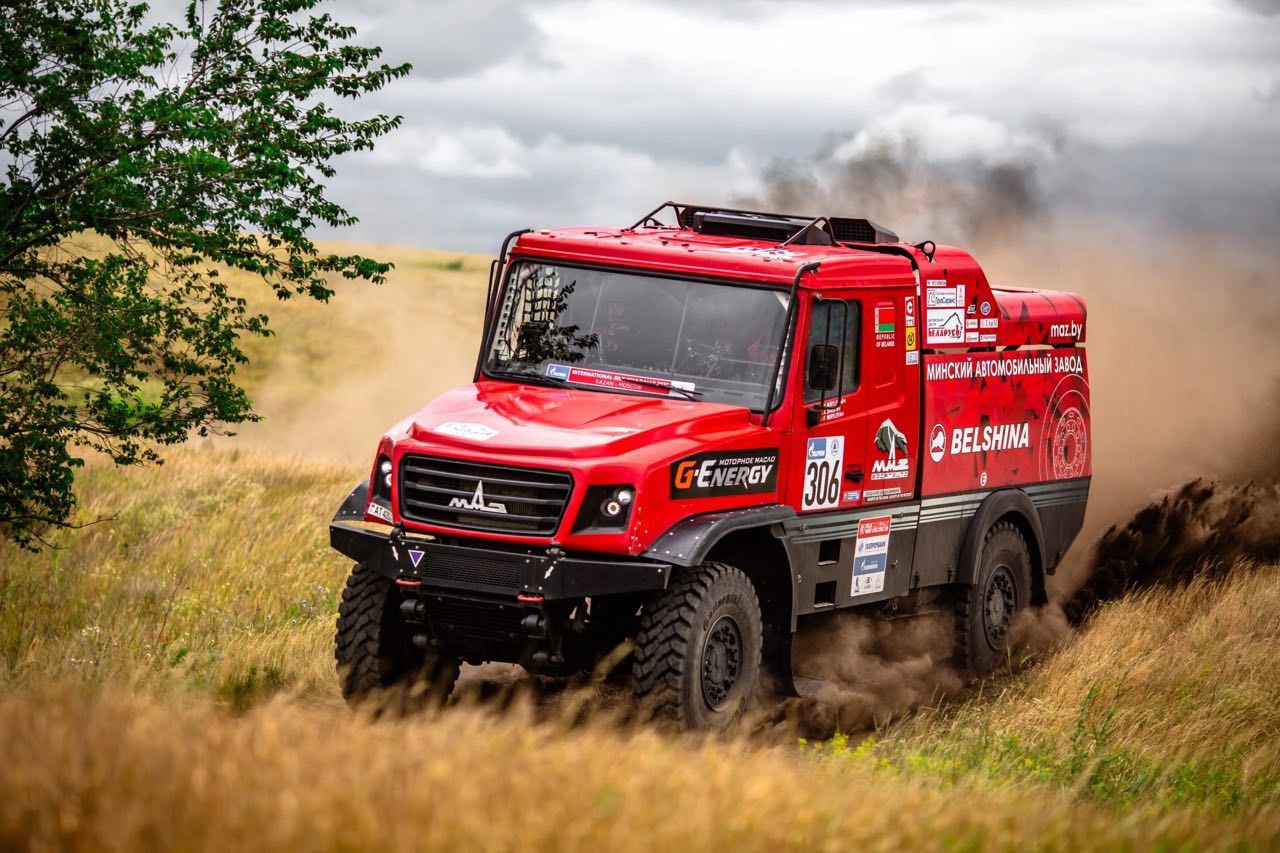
382, 479
605, 509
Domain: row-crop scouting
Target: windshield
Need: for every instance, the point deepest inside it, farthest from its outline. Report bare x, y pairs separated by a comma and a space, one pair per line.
638, 333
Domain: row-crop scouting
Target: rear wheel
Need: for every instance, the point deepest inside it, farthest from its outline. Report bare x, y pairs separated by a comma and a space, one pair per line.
375, 653
697, 656
1001, 589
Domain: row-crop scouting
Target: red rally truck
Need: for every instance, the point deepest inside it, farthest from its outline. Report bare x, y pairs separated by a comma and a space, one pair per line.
693, 433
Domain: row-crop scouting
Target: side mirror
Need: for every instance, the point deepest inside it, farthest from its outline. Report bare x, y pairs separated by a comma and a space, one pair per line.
824, 360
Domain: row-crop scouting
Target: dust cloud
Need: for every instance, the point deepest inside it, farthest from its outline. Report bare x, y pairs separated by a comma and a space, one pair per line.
858, 671
1201, 528
1185, 380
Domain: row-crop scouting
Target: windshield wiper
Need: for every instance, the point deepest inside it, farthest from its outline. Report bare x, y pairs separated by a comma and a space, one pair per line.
544, 379
533, 376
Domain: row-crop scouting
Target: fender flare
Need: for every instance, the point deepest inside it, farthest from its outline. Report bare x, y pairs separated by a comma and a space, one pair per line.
688, 542
997, 505
352, 506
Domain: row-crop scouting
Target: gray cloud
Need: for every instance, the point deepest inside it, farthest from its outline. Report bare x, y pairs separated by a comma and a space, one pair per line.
1269, 8
448, 38
572, 111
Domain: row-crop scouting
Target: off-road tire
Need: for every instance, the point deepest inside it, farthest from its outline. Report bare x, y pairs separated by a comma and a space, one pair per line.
985, 611
377, 662
686, 668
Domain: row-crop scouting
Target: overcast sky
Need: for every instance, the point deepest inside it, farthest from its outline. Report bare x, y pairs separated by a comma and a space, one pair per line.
556, 113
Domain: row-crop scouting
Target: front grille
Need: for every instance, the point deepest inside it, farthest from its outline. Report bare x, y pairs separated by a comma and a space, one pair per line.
467, 495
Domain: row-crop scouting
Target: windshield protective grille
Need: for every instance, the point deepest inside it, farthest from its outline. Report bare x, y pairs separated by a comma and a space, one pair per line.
475, 496
624, 332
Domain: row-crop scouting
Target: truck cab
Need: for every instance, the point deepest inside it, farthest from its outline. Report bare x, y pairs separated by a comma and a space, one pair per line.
689, 434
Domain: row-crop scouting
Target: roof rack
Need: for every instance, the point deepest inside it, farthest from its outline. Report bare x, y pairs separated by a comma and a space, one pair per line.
786, 229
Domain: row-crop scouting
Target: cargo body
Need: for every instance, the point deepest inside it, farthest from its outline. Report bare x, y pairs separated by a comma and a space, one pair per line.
811, 408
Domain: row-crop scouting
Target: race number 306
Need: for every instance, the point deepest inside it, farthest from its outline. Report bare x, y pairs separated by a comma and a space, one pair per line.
824, 464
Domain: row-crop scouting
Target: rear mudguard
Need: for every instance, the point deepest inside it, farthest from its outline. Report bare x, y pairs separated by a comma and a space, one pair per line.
997, 505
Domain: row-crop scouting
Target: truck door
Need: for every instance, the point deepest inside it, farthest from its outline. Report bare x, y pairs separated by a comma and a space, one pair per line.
890, 395
833, 419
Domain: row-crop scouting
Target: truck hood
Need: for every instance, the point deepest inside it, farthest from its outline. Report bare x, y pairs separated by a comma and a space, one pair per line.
567, 422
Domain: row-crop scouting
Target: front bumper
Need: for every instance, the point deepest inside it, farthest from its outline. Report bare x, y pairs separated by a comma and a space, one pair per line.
551, 575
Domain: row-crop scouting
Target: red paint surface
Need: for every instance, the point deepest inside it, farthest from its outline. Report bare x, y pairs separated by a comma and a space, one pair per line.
606, 438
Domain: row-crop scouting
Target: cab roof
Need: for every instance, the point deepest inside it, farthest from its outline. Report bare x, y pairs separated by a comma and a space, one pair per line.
959, 308
743, 245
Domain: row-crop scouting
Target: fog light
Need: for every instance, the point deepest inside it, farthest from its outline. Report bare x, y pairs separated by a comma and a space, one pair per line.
385, 468
612, 508
623, 496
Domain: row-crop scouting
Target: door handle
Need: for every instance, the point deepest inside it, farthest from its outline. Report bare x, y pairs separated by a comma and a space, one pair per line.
854, 475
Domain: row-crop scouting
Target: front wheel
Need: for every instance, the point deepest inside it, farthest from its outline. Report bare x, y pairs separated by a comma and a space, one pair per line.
1001, 589
697, 656
375, 652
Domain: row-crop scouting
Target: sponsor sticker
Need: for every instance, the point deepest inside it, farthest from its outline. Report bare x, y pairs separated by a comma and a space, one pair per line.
886, 494
911, 338
725, 472
460, 429
1070, 331
913, 357
991, 438
938, 442
986, 339
971, 323
986, 308
892, 442
936, 282
971, 337
949, 298
871, 555
909, 314
944, 327
377, 510
823, 472
852, 496
1007, 365
621, 381
988, 323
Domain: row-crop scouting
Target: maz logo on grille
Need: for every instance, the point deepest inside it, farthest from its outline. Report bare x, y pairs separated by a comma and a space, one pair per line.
478, 502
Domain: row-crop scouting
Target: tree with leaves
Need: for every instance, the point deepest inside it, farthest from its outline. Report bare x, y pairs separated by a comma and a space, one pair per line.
138, 159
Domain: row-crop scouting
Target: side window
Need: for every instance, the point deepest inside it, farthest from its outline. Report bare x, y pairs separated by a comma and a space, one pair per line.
835, 322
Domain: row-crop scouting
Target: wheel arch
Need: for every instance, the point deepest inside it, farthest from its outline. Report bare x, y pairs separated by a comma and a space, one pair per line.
1014, 506
746, 540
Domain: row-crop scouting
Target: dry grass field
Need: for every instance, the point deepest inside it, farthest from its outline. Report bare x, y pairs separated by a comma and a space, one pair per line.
166, 676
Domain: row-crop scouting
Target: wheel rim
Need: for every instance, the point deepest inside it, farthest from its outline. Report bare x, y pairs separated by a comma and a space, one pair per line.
999, 605
721, 663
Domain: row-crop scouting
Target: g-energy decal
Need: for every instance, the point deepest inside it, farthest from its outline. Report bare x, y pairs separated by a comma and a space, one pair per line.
725, 472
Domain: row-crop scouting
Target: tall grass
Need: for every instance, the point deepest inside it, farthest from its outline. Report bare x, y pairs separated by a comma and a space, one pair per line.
112, 771
213, 574
168, 681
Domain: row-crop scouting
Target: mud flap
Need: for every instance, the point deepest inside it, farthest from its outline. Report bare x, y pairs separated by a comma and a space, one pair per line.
779, 677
